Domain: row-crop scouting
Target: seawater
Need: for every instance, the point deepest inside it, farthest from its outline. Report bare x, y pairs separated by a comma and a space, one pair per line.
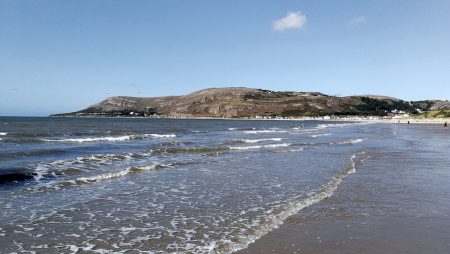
71, 185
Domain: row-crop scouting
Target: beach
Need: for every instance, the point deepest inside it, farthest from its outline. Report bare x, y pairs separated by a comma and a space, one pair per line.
401, 120
70, 185
395, 203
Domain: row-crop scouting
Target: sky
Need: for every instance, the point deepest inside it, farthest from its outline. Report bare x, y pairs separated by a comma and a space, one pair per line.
62, 56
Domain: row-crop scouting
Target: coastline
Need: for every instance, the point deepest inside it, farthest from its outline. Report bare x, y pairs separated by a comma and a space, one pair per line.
411, 120
311, 186
395, 202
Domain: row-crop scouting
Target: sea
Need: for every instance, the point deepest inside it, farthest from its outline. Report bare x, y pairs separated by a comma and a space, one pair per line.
135, 185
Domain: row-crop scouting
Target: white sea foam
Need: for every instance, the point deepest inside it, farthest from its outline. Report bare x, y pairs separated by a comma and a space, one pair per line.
290, 150
234, 129
293, 207
259, 140
82, 140
39, 172
264, 131
111, 139
159, 135
320, 135
258, 147
3, 133
119, 173
352, 141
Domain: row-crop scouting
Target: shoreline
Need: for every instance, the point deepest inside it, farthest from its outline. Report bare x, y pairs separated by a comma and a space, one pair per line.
434, 121
394, 202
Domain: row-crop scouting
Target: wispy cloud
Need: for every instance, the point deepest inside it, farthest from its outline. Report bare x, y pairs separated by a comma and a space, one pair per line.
357, 21
293, 20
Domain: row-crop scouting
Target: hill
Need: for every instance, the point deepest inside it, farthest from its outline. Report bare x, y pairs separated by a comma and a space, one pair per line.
241, 102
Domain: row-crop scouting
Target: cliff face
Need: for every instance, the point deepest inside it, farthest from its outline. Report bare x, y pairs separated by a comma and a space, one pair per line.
235, 102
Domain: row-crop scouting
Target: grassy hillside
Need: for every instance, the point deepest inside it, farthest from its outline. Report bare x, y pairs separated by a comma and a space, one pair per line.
442, 113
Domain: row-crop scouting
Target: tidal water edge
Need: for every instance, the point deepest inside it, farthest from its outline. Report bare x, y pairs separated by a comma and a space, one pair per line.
210, 186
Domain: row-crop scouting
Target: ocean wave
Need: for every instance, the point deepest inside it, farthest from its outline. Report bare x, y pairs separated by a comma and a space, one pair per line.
352, 141
257, 140
3, 133
111, 139
159, 135
119, 173
320, 135
82, 140
290, 150
190, 150
100, 177
264, 131
241, 129
24, 174
67, 167
331, 125
40, 171
283, 211
258, 147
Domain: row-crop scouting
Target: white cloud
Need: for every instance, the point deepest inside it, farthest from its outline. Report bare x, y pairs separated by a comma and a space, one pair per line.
293, 20
357, 21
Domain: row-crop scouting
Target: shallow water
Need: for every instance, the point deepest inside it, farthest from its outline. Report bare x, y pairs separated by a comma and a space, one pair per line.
396, 202
162, 185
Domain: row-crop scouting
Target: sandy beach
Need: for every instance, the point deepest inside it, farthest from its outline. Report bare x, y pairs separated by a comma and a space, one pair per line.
394, 203
411, 120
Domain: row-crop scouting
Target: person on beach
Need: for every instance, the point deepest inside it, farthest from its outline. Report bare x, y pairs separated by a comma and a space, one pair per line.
445, 124
408, 122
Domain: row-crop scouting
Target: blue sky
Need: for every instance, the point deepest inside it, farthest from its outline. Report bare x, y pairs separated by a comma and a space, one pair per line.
61, 56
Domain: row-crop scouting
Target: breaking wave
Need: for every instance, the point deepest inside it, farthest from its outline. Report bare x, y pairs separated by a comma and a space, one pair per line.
123, 172
102, 177
111, 139
281, 212
331, 125
159, 135
264, 131
241, 129
320, 135
257, 140
258, 147
352, 141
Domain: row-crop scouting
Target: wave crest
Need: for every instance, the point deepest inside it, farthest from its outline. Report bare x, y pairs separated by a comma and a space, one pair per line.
111, 139
258, 140
258, 147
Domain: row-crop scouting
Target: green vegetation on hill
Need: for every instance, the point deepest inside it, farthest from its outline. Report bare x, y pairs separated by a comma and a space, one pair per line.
443, 113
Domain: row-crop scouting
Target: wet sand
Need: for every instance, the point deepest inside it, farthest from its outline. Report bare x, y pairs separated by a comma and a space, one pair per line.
396, 202
433, 121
